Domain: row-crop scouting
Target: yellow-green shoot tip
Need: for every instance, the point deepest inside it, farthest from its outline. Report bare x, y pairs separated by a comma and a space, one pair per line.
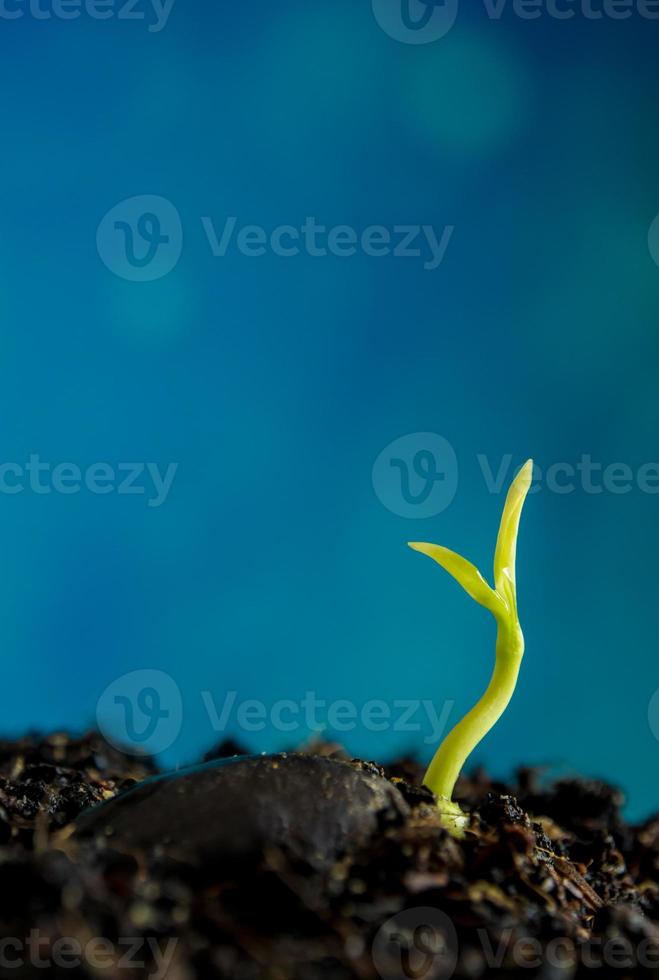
504, 555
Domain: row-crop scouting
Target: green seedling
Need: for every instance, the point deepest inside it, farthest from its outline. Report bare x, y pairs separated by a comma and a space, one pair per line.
501, 601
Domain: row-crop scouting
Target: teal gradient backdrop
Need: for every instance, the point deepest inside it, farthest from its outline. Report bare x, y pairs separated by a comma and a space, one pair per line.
273, 568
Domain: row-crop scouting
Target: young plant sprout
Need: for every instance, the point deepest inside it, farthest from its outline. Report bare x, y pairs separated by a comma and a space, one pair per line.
501, 601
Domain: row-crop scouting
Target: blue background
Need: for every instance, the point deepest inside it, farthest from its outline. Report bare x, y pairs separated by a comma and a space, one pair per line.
273, 568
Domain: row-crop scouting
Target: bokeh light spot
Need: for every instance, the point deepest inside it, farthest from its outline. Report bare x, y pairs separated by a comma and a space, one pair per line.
469, 95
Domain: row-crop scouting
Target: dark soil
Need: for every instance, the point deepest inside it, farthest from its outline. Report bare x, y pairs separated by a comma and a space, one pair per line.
309, 866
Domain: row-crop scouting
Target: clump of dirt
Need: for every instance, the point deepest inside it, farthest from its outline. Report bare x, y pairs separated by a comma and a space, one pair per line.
311, 865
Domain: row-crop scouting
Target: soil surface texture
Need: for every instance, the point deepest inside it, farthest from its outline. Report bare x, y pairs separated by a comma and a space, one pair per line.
311, 865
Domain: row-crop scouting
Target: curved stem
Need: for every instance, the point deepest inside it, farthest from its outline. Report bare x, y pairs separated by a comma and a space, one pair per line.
451, 755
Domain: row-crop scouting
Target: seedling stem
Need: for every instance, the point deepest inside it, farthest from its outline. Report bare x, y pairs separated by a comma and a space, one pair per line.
501, 601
